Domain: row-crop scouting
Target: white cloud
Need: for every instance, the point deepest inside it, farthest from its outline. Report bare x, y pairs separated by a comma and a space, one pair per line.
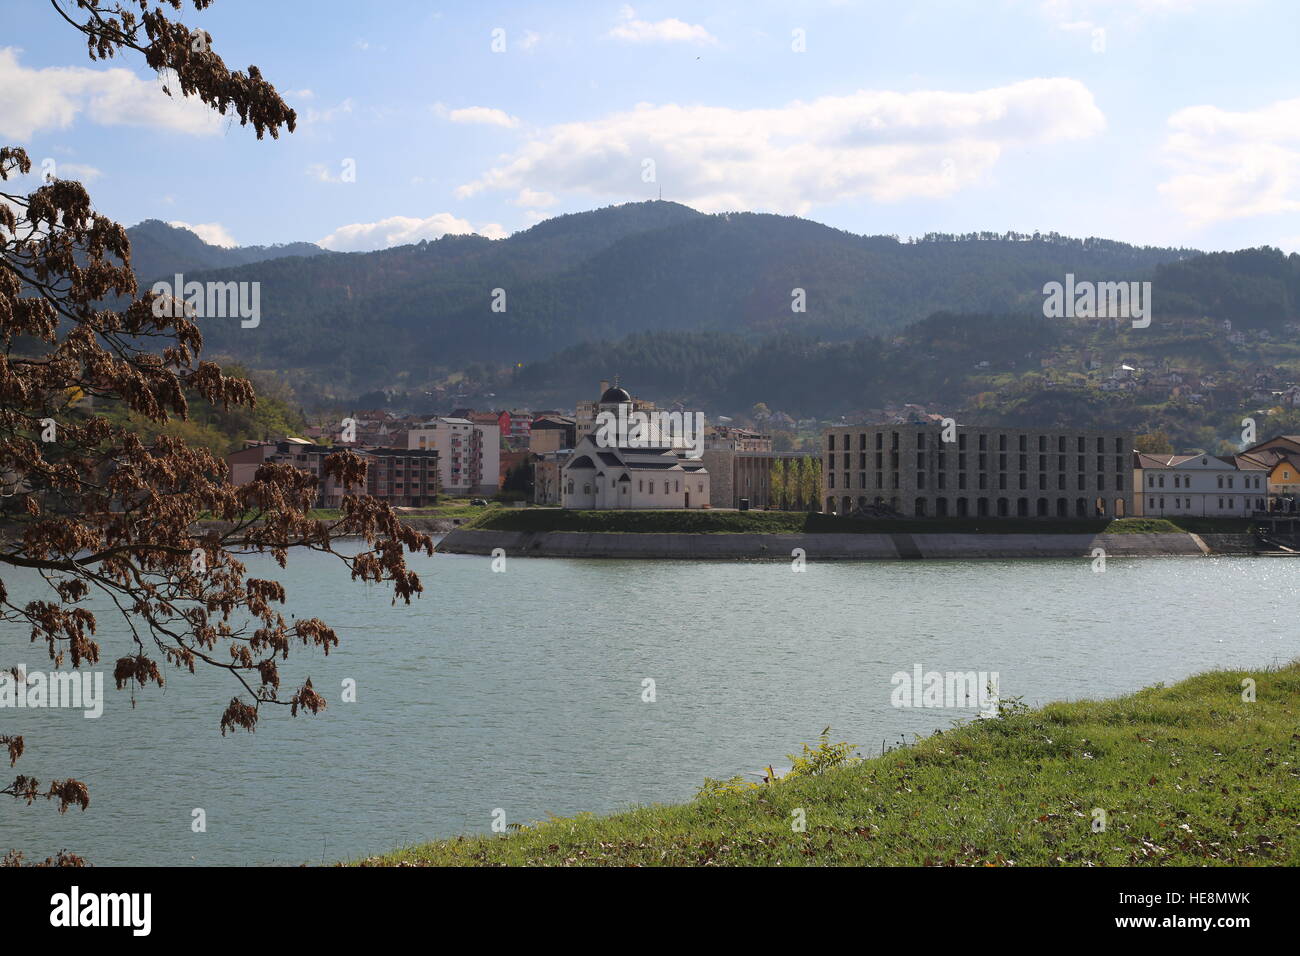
670, 30
483, 115
529, 197
402, 230
330, 114
1231, 165
882, 144
213, 233
35, 100
81, 172
347, 172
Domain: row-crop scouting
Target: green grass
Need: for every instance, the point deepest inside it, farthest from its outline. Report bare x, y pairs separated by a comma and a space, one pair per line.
1188, 775
797, 522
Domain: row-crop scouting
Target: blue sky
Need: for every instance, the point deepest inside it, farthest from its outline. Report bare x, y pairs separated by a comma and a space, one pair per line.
1172, 122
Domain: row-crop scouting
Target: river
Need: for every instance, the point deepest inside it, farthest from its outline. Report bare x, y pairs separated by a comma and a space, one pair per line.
524, 690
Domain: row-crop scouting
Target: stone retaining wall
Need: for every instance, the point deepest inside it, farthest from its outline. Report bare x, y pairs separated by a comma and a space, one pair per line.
854, 547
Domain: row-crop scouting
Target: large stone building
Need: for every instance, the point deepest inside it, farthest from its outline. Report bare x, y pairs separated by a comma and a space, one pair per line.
994, 472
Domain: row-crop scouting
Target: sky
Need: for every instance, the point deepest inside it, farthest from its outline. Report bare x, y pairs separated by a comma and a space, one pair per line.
1162, 122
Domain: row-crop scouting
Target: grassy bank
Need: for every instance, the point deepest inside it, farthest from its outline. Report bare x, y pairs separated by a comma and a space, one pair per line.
1187, 775
799, 522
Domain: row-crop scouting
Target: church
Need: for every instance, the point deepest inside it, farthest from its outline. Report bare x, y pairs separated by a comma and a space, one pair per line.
600, 477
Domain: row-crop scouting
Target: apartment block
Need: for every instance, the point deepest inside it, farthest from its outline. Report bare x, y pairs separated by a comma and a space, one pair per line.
469, 453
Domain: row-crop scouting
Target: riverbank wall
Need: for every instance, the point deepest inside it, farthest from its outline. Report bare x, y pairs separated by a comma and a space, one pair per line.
847, 547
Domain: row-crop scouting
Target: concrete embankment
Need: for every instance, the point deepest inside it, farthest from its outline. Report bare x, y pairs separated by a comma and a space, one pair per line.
850, 547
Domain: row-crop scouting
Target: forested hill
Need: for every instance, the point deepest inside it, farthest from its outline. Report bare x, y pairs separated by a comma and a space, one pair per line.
363, 318
160, 250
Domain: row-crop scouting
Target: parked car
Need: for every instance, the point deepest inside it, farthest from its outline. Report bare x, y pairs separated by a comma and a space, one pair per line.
478, 501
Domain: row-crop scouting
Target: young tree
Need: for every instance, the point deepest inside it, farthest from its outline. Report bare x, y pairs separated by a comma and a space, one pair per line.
777, 481
810, 482
96, 511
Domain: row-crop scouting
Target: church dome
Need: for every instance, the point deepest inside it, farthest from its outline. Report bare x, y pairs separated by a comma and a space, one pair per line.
615, 396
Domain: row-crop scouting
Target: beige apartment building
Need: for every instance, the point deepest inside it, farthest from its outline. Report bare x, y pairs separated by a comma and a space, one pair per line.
979, 472
469, 453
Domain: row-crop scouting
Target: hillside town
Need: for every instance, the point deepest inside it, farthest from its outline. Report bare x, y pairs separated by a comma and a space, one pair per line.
907, 462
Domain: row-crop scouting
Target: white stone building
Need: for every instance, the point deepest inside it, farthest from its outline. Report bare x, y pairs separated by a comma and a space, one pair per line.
1197, 485
596, 478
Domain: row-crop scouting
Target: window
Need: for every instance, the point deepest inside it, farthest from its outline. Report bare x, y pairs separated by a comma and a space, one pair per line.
830, 442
